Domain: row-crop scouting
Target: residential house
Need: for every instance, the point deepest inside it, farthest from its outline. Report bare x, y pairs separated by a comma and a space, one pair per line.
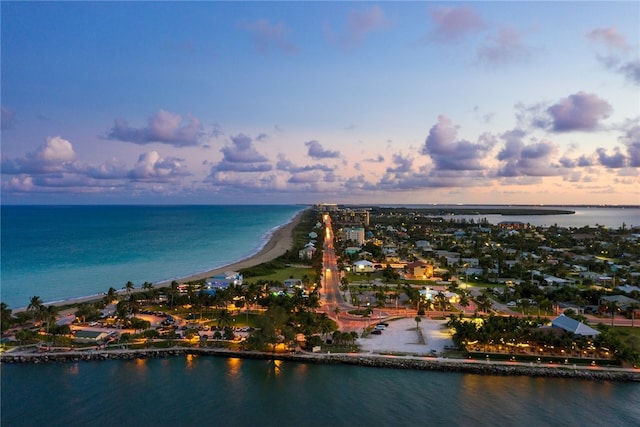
363, 266
90, 337
571, 325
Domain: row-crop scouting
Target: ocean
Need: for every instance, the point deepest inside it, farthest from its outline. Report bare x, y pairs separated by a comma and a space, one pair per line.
72, 251
213, 391
63, 252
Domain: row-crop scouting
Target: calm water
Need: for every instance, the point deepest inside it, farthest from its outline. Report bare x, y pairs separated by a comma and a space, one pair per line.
609, 217
210, 391
60, 252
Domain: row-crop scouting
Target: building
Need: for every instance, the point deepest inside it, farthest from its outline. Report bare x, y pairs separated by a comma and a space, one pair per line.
571, 325
363, 266
222, 281
293, 283
90, 337
307, 252
513, 225
355, 234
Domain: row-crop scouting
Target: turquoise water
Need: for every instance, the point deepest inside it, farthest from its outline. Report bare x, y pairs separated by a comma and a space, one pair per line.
61, 252
211, 391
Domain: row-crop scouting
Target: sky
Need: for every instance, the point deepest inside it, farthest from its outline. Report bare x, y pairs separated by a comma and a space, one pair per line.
320, 102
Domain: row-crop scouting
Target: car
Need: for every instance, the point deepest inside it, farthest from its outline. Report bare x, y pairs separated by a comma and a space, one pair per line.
380, 327
385, 324
511, 304
376, 332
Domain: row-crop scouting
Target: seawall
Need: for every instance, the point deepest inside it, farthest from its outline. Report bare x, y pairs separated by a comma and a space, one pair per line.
423, 364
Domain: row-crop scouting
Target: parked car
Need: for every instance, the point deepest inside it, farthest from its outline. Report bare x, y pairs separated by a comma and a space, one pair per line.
376, 332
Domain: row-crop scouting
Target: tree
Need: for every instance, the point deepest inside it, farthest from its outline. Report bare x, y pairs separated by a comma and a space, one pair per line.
110, 295
418, 320
129, 287
6, 320
464, 301
612, 308
224, 318
35, 305
632, 310
484, 303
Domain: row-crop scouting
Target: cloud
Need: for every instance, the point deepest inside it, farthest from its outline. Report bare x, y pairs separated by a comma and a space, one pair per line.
453, 23
379, 159
609, 37
286, 165
579, 112
631, 71
402, 165
150, 167
268, 36
503, 47
242, 151
616, 160
632, 140
360, 23
448, 153
55, 155
527, 159
316, 151
242, 157
617, 56
163, 127
7, 119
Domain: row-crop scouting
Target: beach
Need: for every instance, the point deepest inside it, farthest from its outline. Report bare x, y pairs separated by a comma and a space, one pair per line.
280, 242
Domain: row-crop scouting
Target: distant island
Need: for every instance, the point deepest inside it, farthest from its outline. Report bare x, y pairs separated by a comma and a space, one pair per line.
476, 210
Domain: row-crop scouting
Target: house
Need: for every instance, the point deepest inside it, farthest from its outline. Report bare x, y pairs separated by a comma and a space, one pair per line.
222, 281
363, 266
293, 283
513, 225
622, 301
90, 337
307, 252
420, 269
571, 325
352, 250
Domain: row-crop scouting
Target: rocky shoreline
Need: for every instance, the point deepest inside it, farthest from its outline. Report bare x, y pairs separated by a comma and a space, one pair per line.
423, 364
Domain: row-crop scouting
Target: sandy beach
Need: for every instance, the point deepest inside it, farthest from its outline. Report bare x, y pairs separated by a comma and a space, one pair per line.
280, 241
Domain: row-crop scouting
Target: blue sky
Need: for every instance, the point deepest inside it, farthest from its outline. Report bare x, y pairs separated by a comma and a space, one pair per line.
305, 102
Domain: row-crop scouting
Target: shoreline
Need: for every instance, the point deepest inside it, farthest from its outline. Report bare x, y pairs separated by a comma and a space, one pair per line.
280, 241
476, 367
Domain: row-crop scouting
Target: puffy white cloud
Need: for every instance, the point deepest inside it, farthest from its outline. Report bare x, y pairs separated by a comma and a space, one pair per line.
448, 153
316, 151
162, 127
151, 167
581, 111
55, 155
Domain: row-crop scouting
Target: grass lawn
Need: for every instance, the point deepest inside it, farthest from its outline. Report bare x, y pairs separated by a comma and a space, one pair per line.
283, 274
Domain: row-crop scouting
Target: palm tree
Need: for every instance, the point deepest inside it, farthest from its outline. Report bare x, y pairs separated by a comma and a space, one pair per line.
129, 287
611, 307
464, 301
35, 304
49, 315
632, 309
224, 317
337, 311
484, 303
